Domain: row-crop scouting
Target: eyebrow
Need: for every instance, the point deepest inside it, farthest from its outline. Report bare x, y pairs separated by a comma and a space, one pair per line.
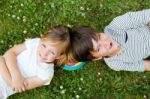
99, 36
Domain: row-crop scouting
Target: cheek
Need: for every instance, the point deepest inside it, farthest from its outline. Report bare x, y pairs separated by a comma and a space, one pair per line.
40, 48
103, 52
51, 58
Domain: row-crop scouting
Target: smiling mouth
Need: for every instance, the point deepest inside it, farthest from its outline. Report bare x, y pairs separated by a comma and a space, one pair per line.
41, 57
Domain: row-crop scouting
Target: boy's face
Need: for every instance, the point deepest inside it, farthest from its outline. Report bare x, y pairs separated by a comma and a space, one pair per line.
104, 46
48, 51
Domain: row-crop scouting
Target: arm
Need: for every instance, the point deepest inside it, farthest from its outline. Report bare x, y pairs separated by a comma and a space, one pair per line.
126, 66
34, 82
10, 58
4, 71
18, 81
130, 20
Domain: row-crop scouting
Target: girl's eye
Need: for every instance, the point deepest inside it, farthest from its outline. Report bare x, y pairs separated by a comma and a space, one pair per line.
52, 52
44, 45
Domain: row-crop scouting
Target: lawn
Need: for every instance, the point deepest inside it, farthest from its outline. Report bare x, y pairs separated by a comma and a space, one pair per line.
21, 19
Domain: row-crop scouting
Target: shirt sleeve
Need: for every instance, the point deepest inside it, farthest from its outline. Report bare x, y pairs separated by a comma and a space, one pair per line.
130, 20
46, 72
126, 66
30, 43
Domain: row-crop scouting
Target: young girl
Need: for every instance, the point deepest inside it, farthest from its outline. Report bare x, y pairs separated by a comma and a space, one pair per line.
124, 45
30, 65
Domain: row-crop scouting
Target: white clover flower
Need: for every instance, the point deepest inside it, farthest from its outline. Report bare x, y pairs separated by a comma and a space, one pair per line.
81, 79
63, 91
22, 4
72, 2
10, 45
44, 3
99, 73
24, 20
13, 16
18, 18
87, 8
19, 10
100, 79
83, 14
80, 88
145, 97
74, 91
52, 5
81, 8
8, 14
144, 76
101, 5
61, 87
2, 41
77, 96
24, 31
36, 24
24, 17
68, 25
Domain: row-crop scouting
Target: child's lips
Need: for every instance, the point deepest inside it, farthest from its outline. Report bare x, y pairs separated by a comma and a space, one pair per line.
41, 58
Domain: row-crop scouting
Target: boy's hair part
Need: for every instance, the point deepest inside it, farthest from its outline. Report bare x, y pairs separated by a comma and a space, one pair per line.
81, 42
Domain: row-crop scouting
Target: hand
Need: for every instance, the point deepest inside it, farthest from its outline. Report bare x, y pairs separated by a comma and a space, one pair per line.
19, 83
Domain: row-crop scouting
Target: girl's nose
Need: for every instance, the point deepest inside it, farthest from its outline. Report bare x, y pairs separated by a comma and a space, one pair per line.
45, 53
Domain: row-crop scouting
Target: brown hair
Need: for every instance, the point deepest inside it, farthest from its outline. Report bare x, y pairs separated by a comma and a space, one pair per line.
62, 35
81, 42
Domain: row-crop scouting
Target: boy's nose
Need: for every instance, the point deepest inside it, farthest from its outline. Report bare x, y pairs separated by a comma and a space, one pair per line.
104, 44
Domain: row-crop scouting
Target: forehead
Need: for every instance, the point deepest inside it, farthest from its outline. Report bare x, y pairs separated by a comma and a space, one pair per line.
55, 45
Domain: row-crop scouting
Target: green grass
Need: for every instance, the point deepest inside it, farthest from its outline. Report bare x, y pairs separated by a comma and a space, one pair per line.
20, 19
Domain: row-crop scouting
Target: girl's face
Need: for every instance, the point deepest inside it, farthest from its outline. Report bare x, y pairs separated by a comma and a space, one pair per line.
48, 51
104, 46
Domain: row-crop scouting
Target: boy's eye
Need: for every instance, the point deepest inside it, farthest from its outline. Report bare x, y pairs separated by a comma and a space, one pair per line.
98, 48
99, 37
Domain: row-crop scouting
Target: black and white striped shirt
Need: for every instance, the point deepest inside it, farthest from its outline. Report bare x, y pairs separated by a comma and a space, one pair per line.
132, 33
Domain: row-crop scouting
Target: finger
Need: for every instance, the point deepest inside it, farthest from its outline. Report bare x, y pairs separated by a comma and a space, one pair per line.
23, 88
13, 88
20, 90
26, 83
16, 90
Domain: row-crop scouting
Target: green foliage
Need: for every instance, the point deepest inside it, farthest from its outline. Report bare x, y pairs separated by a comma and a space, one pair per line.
21, 19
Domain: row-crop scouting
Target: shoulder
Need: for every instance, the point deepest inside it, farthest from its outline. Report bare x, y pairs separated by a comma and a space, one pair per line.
32, 42
113, 64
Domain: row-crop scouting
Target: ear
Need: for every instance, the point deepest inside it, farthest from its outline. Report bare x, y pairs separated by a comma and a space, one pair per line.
95, 54
58, 57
